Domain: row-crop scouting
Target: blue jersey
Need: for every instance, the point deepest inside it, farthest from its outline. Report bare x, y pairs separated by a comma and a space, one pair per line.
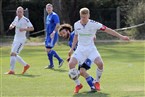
51, 21
71, 39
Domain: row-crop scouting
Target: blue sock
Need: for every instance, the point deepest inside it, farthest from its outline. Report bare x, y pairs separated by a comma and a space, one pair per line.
56, 55
50, 57
90, 81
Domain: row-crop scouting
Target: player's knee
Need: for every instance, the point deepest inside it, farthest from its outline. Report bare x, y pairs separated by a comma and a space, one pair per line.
72, 63
13, 54
48, 50
100, 65
82, 73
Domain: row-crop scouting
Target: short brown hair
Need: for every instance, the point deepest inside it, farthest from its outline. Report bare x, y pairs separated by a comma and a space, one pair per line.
84, 11
49, 5
65, 26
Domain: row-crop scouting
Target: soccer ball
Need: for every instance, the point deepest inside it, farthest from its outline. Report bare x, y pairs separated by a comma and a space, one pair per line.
74, 74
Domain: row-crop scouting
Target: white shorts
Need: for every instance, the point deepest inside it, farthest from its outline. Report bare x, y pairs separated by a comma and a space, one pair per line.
84, 52
17, 47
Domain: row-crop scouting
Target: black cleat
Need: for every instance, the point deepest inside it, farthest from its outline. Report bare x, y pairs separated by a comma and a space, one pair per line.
93, 90
49, 67
61, 63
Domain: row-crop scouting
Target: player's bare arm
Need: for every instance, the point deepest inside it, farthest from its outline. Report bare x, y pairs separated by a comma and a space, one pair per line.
11, 26
75, 40
55, 30
114, 33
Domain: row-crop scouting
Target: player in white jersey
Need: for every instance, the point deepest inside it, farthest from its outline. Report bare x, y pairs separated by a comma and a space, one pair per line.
85, 29
21, 25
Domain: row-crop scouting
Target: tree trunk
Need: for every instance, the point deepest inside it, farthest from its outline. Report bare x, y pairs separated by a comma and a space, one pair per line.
61, 8
1, 20
56, 6
74, 11
65, 10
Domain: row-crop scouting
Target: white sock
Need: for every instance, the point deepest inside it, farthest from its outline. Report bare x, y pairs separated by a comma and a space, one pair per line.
77, 81
98, 74
20, 60
12, 62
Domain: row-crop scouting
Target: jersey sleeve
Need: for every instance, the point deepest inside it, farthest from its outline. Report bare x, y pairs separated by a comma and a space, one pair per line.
100, 26
56, 19
75, 29
29, 24
15, 21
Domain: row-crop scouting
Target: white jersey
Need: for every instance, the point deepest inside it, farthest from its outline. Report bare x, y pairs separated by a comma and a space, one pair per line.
21, 23
86, 32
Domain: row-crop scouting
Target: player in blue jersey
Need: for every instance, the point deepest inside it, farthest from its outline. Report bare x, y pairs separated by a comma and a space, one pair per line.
65, 31
52, 25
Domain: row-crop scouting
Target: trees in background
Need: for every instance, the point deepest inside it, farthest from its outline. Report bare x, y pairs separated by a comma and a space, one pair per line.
136, 15
68, 11
1, 20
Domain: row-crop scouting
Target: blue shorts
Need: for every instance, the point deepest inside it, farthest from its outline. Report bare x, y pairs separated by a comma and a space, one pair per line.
86, 65
49, 43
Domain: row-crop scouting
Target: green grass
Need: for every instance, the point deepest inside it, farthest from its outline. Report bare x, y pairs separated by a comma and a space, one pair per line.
123, 75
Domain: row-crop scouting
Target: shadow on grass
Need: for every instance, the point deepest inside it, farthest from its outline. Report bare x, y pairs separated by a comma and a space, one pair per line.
27, 75
91, 94
58, 70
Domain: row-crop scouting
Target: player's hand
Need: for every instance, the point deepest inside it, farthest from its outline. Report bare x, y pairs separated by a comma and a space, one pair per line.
22, 29
11, 27
52, 34
125, 38
70, 52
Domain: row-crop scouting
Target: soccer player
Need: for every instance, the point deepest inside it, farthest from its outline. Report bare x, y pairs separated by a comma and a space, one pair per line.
52, 24
65, 31
21, 25
85, 29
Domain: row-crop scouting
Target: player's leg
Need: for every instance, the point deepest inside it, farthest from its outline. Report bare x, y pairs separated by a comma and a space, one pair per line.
77, 57
14, 52
98, 61
54, 52
49, 53
50, 43
12, 63
83, 72
96, 58
72, 64
13, 58
20, 60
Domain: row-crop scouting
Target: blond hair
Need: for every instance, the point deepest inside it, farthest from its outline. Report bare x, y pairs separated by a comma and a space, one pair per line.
84, 11
49, 5
20, 8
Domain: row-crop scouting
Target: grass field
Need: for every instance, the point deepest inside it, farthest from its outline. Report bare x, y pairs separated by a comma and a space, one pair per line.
123, 74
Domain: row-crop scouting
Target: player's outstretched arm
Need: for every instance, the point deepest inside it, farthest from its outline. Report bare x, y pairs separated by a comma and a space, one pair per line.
114, 33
